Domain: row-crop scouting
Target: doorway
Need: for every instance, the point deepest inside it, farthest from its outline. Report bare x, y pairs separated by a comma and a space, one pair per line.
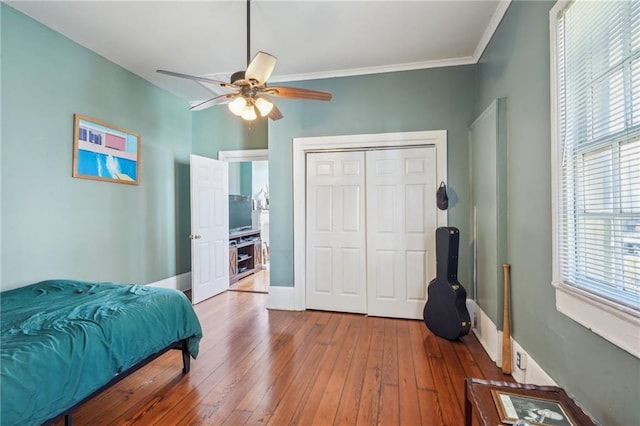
302, 147
249, 179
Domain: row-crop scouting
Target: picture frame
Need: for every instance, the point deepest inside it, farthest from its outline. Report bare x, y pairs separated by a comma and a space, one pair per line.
536, 411
105, 152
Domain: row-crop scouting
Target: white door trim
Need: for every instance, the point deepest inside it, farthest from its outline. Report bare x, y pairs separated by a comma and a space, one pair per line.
243, 155
301, 146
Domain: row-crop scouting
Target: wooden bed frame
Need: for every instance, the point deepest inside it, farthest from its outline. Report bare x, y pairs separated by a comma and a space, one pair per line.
186, 366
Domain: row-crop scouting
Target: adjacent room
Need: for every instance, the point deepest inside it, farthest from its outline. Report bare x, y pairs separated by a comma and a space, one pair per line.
320, 212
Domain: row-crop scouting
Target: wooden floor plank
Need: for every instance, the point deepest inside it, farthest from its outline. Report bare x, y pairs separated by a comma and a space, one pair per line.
422, 368
444, 386
223, 399
430, 411
257, 283
389, 407
278, 362
455, 371
407, 385
329, 402
352, 392
310, 403
466, 359
371, 387
132, 390
258, 366
484, 363
302, 355
390, 353
300, 394
219, 387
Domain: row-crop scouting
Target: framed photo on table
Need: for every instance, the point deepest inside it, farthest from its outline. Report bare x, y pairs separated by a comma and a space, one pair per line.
105, 152
536, 411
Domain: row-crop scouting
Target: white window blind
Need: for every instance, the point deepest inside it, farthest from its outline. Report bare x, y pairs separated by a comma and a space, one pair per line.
598, 176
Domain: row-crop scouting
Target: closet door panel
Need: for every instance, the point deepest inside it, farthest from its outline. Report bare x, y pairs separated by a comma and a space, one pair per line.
336, 251
401, 221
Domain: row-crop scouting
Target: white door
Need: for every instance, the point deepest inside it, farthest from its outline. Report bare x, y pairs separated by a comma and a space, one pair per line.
371, 220
401, 223
336, 252
209, 227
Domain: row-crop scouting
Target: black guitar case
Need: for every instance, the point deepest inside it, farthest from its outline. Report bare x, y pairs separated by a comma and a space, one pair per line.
445, 312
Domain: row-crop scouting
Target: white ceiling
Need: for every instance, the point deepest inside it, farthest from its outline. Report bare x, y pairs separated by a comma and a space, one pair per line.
310, 38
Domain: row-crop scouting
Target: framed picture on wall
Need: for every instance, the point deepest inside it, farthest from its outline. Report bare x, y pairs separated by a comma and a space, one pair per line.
105, 152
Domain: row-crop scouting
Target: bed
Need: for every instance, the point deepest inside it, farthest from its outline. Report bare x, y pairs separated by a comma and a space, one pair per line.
64, 341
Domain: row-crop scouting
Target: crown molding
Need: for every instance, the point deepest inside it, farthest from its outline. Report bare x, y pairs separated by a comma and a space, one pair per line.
467, 60
491, 28
496, 18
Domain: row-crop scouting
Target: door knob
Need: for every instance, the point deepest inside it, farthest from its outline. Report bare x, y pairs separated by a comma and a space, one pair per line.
194, 237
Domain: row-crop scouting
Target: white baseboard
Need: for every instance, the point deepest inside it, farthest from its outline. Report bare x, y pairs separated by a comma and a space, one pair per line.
180, 282
533, 374
282, 298
491, 339
486, 332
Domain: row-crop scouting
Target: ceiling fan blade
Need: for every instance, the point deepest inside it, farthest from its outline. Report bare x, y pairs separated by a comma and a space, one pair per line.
298, 93
213, 101
275, 113
195, 78
260, 67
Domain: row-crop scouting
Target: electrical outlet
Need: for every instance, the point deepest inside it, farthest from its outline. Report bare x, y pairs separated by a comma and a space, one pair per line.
475, 319
521, 361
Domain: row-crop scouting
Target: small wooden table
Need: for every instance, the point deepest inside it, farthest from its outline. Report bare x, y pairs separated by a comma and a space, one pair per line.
479, 400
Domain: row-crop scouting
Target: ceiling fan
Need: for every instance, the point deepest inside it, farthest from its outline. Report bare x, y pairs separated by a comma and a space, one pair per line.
250, 95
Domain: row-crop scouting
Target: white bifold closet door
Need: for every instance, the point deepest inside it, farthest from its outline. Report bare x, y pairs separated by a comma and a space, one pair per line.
336, 274
371, 220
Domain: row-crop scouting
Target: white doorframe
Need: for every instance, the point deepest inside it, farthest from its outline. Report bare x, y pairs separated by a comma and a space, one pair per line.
243, 155
301, 146
240, 156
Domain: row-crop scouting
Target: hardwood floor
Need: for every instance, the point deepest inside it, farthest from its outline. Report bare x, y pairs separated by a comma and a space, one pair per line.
256, 283
259, 366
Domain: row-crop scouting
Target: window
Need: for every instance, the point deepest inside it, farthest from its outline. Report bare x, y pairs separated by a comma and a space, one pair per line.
595, 92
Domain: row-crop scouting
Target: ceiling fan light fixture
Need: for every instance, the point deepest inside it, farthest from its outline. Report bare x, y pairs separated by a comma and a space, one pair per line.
249, 113
250, 95
264, 106
237, 106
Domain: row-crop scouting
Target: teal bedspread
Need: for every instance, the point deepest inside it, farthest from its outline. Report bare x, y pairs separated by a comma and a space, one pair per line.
62, 340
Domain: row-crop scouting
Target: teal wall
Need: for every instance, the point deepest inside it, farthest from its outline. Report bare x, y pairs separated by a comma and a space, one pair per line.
432, 99
54, 225
240, 178
515, 65
246, 178
217, 129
